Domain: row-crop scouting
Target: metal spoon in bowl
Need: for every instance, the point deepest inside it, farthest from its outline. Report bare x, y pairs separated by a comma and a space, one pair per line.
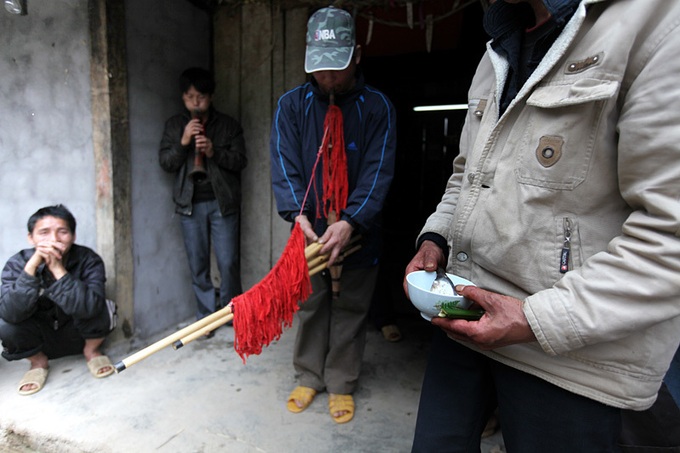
442, 284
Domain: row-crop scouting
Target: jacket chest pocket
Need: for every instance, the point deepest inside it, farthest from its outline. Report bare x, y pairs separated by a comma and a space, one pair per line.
559, 133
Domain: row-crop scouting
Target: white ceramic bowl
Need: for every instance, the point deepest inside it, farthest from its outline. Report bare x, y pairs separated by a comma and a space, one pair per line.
419, 284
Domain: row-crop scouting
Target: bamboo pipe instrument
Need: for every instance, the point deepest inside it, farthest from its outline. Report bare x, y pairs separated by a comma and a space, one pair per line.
322, 266
212, 321
202, 331
336, 269
314, 260
167, 341
312, 250
199, 170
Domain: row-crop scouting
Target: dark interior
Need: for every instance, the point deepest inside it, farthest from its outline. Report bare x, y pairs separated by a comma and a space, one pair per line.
427, 142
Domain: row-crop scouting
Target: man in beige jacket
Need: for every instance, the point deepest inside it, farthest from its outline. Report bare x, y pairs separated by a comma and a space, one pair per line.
563, 208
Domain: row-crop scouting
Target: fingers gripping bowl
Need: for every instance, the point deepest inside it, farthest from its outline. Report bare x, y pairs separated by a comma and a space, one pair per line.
430, 304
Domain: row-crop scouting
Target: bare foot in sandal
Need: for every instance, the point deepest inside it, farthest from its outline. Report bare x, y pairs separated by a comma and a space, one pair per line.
99, 365
300, 398
341, 407
34, 379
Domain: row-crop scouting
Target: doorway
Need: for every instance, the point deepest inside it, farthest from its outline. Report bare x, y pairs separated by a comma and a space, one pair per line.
427, 142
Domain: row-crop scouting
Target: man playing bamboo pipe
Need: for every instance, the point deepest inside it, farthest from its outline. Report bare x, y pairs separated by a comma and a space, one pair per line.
206, 151
53, 301
330, 340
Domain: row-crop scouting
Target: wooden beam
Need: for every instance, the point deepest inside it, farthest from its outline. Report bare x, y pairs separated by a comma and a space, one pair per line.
111, 142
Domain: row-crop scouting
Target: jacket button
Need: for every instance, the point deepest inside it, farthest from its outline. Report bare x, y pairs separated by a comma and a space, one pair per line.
549, 150
548, 153
462, 256
471, 178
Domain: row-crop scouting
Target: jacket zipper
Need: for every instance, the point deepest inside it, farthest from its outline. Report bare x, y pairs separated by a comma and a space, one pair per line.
566, 246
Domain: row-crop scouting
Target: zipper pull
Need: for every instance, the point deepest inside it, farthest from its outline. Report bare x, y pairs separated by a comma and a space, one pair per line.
566, 247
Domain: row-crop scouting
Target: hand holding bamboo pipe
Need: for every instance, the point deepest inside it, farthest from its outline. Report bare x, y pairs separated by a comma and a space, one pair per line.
333, 241
320, 262
316, 262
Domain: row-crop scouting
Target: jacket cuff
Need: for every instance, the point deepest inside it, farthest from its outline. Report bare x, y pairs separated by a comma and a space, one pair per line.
354, 224
28, 280
437, 239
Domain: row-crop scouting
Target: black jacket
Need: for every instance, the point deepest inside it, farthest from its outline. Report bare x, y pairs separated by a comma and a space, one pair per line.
224, 168
370, 145
79, 294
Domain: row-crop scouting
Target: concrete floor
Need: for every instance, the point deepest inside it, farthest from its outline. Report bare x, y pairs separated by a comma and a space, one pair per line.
202, 398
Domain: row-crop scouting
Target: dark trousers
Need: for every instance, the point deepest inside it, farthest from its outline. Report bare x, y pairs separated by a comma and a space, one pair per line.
656, 430
37, 334
330, 341
461, 389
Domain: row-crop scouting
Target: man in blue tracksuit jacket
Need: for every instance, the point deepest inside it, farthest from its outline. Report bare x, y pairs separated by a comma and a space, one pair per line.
330, 340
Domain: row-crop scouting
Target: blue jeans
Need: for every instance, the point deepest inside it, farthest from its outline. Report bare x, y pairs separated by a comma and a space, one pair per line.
206, 226
461, 389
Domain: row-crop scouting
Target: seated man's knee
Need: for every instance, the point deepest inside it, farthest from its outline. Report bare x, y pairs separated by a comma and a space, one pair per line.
97, 327
20, 340
8, 331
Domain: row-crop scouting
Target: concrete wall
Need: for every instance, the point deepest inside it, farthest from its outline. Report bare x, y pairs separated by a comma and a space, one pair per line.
45, 120
159, 48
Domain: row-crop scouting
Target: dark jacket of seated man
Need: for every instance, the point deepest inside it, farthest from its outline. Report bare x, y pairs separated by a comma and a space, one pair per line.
39, 310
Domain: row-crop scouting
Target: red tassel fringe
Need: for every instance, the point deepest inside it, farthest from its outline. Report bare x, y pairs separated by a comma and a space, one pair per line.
261, 313
335, 184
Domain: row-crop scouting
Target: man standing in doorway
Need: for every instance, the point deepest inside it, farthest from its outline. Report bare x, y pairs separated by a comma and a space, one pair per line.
206, 151
330, 340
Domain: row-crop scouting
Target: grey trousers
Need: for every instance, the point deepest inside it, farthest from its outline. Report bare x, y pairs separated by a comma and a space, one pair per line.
331, 336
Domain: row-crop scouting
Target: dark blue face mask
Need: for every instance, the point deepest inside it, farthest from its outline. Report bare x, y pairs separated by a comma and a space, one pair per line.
502, 17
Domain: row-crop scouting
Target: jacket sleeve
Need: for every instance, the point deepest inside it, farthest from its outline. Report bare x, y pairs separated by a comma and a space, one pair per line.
375, 175
171, 154
20, 291
229, 147
288, 179
80, 293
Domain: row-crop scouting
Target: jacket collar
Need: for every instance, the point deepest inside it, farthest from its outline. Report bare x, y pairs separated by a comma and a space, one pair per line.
500, 62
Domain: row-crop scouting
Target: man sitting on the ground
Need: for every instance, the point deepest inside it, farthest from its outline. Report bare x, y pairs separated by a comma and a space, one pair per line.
52, 302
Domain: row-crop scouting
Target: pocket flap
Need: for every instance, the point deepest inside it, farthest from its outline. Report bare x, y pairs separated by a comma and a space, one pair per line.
580, 92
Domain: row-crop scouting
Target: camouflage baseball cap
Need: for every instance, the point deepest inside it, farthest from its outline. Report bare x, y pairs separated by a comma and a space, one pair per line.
330, 40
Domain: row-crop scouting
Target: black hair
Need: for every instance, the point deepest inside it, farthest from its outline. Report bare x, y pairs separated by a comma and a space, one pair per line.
201, 79
59, 211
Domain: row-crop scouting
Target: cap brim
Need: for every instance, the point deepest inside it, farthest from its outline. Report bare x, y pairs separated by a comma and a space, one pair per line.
327, 58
